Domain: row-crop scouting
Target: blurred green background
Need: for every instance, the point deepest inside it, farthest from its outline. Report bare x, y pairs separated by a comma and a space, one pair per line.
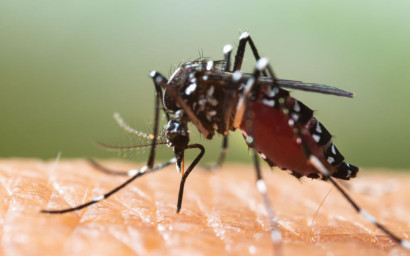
67, 66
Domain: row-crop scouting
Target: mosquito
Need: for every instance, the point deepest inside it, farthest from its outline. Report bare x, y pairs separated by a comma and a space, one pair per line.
279, 128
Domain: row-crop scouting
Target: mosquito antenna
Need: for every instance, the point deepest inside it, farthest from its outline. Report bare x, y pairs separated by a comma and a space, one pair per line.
131, 130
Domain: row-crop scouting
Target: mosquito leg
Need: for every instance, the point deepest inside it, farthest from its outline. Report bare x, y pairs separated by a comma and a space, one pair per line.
127, 128
137, 173
276, 235
160, 97
106, 170
251, 87
109, 171
226, 109
227, 50
243, 39
151, 158
190, 168
162, 81
319, 166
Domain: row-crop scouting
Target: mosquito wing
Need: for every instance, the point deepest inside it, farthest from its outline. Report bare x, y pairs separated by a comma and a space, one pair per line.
312, 87
285, 83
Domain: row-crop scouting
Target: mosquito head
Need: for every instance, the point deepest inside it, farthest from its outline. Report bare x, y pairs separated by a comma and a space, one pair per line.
177, 136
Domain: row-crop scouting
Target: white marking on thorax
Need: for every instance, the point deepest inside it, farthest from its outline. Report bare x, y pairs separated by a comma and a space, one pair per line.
191, 88
210, 91
210, 114
213, 101
209, 65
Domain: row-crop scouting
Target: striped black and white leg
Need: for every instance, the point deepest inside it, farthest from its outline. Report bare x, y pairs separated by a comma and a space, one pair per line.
276, 235
136, 174
227, 107
326, 174
158, 100
243, 40
320, 167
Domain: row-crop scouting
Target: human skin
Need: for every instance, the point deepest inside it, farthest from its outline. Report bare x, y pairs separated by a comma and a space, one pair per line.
222, 212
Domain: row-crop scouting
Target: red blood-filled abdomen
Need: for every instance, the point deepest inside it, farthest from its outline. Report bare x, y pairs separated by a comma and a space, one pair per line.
274, 138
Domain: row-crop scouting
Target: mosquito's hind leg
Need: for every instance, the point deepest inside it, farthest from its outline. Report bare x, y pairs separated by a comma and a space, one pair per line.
252, 85
320, 167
